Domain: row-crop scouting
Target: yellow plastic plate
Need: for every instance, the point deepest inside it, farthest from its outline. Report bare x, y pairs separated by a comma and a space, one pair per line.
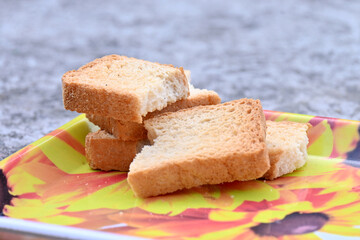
49, 182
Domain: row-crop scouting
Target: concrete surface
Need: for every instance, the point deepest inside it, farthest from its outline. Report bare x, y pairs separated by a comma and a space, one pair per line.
296, 56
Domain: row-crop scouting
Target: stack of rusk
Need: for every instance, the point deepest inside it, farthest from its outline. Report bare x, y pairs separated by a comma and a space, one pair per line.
194, 140
117, 94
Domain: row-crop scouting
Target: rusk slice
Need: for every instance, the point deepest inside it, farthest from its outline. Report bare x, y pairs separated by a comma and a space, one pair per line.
132, 131
201, 145
125, 131
123, 88
286, 143
105, 152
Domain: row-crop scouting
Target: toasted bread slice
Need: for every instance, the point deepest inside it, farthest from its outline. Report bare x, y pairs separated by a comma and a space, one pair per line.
201, 145
123, 88
132, 131
286, 143
125, 131
105, 152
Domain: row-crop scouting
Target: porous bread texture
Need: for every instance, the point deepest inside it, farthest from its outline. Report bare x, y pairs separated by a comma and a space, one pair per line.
287, 146
105, 152
132, 131
123, 88
201, 145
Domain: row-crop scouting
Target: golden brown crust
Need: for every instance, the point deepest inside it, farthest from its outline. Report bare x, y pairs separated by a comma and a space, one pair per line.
100, 99
88, 99
132, 131
106, 152
126, 131
194, 172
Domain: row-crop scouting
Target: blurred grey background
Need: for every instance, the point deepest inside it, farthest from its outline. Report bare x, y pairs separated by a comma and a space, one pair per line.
295, 56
